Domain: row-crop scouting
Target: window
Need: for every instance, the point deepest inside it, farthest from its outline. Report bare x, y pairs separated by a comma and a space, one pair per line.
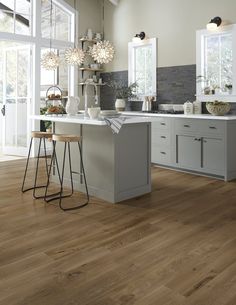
215, 63
142, 66
15, 16
61, 22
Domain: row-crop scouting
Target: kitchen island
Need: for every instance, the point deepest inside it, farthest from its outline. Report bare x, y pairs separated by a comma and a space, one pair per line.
117, 166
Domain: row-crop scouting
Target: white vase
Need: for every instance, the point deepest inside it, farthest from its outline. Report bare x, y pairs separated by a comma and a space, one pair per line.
72, 105
120, 104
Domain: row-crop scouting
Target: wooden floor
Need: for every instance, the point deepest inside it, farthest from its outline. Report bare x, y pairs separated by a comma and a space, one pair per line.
176, 246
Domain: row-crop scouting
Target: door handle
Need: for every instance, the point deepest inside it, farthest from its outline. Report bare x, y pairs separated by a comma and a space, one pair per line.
3, 110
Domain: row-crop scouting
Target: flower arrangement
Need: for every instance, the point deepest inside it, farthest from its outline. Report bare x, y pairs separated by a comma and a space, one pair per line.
122, 91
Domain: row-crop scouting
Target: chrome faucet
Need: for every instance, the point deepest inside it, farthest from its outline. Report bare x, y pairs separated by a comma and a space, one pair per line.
86, 97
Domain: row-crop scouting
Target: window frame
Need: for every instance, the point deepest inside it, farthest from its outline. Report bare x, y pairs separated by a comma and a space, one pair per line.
132, 46
200, 53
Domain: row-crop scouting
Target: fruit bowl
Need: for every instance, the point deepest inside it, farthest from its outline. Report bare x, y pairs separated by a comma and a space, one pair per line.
218, 108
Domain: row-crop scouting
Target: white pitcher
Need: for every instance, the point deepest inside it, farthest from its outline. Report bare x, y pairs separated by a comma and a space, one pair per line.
72, 105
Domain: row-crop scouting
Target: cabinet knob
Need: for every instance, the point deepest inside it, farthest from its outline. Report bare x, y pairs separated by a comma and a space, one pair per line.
187, 126
163, 124
163, 137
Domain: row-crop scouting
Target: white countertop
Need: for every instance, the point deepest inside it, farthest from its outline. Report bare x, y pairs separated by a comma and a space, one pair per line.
79, 119
193, 116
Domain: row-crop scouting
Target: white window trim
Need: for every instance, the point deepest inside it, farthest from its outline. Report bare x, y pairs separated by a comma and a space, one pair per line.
200, 34
131, 61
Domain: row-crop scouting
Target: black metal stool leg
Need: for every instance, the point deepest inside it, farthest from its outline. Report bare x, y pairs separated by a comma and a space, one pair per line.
82, 165
26, 168
36, 173
54, 156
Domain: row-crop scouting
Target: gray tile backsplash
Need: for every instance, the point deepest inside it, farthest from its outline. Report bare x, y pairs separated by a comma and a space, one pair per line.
174, 85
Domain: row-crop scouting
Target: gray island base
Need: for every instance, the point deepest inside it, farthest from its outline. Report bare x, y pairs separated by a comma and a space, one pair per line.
117, 166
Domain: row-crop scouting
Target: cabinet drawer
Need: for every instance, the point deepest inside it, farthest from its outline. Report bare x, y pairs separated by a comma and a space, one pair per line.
160, 139
161, 124
186, 125
212, 127
160, 155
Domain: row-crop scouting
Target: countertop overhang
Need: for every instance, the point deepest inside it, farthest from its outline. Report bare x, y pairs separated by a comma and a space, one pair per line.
79, 119
193, 116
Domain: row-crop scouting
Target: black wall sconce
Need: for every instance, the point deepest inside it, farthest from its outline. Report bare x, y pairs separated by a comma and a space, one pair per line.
139, 36
214, 23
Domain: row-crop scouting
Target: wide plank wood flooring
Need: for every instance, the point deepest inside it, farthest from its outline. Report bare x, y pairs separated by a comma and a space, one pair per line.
175, 246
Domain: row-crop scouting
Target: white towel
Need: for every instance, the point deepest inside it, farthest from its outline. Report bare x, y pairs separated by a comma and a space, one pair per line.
115, 123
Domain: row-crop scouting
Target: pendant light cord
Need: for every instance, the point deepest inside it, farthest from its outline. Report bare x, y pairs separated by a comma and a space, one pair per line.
51, 26
103, 18
75, 24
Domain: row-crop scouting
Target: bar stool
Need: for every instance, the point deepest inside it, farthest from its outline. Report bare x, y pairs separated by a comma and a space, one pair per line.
41, 135
67, 139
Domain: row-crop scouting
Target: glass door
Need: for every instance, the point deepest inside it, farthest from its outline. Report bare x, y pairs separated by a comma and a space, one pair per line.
16, 97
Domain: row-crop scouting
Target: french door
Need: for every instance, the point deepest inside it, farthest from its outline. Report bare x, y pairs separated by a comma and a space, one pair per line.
16, 98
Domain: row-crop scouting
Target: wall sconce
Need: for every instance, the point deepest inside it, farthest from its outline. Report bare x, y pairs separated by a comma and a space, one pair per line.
214, 24
139, 37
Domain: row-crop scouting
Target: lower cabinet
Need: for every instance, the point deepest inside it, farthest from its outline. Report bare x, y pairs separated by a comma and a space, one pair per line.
188, 152
213, 157
200, 153
196, 145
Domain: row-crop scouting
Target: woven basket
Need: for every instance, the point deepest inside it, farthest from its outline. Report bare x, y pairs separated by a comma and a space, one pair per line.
218, 108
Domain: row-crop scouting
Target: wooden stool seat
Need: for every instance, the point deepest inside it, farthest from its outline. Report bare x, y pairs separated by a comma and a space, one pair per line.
66, 138
41, 134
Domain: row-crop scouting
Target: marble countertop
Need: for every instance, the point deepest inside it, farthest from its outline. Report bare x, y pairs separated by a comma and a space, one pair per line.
79, 119
193, 116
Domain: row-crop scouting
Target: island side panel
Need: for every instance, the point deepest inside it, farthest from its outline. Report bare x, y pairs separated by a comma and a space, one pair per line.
133, 161
98, 155
117, 166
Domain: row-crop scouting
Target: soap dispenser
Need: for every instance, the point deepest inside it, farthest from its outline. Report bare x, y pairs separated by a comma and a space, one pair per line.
188, 108
197, 107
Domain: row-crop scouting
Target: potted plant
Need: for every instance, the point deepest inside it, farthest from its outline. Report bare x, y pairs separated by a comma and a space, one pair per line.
122, 93
229, 88
203, 80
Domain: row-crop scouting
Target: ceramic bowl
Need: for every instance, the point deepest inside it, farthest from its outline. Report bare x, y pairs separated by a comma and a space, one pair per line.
94, 112
218, 108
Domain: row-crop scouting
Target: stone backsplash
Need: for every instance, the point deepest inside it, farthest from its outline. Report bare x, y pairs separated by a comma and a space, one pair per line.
175, 85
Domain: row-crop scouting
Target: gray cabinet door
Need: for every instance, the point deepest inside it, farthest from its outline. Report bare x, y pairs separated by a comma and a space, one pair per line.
213, 154
188, 152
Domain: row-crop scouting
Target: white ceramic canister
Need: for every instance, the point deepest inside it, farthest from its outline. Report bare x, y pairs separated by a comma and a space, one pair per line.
197, 107
188, 108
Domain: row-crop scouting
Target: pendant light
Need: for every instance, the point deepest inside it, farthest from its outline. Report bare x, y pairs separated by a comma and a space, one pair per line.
74, 56
103, 51
50, 60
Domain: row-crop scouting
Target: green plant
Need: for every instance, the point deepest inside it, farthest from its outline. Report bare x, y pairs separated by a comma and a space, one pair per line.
228, 86
122, 91
47, 124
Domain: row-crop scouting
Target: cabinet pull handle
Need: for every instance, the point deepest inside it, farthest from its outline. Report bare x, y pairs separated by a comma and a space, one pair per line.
212, 127
163, 153
186, 126
163, 137
197, 139
163, 124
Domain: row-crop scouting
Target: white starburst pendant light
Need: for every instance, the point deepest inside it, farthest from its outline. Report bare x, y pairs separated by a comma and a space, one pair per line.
50, 60
74, 56
103, 52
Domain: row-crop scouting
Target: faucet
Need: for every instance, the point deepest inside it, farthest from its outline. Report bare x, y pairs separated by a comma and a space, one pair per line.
86, 97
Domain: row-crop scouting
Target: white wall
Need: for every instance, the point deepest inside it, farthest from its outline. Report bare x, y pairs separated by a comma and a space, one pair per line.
173, 22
